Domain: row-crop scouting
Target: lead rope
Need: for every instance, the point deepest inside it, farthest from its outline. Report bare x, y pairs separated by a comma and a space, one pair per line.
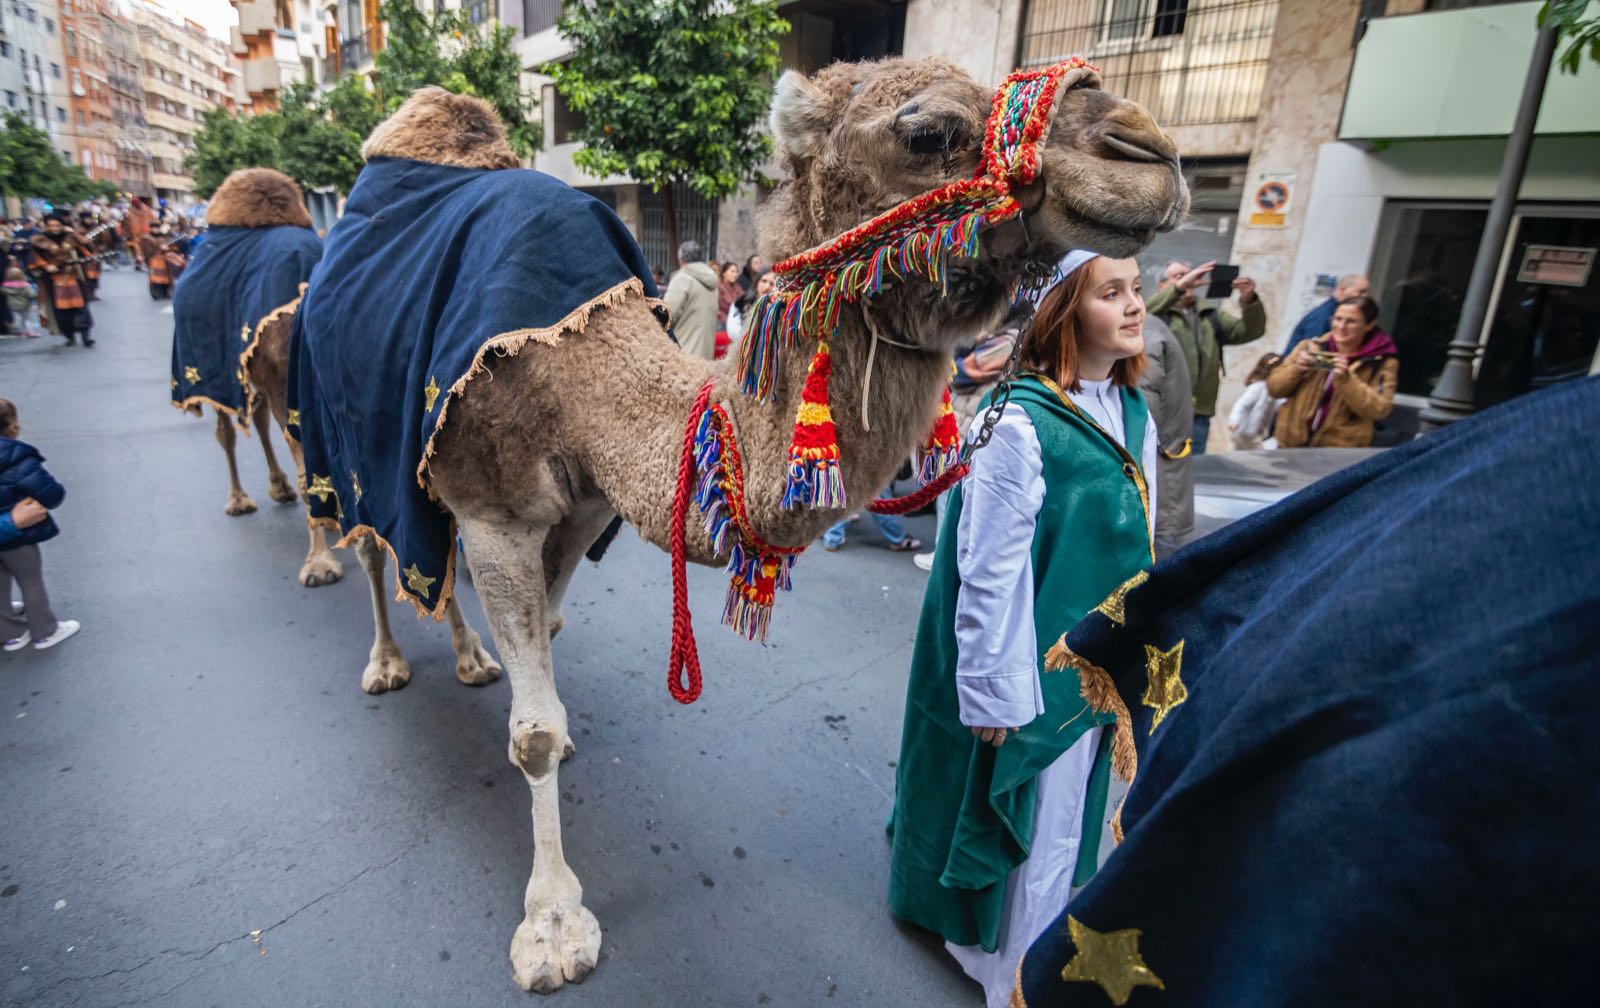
684, 661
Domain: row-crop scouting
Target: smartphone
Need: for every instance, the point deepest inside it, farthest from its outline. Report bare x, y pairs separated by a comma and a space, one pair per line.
1222, 277
1322, 360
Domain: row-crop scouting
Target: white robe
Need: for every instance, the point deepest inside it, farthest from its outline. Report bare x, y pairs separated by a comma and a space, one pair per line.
997, 670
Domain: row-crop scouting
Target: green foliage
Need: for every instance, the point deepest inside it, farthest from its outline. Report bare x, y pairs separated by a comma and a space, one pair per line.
31, 167
227, 142
447, 49
322, 134
1582, 32
671, 90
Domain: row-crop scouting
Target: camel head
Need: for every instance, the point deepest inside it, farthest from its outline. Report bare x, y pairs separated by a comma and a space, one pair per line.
859, 138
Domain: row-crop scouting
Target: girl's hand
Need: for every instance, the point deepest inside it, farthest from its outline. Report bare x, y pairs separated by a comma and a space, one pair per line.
994, 736
28, 512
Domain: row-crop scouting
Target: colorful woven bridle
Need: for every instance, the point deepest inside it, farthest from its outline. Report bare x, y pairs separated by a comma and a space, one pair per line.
917, 238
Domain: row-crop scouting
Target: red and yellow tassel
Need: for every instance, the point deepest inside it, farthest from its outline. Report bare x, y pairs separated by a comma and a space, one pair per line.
943, 448
814, 478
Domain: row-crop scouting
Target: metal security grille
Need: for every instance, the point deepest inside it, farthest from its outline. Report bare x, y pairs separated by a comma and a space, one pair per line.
1187, 61
697, 220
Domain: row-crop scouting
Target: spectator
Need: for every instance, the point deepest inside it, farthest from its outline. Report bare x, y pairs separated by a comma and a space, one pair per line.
1250, 421
728, 291
889, 526
1337, 386
754, 269
692, 299
990, 835
22, 475
19, 299
1167, 388
1202, 331
740, 312
1316, 321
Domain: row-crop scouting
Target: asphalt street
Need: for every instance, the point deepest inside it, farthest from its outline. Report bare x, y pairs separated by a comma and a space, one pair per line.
199, 805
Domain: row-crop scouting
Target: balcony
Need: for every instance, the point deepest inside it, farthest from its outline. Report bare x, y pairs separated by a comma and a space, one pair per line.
256, 16
355, 54
1458, 73
260, 75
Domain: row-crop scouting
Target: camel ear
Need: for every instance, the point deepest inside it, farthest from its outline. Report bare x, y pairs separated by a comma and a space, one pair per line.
800, 119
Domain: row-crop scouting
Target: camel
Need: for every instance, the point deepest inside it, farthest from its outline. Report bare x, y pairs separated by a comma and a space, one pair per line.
229, 311
532, 463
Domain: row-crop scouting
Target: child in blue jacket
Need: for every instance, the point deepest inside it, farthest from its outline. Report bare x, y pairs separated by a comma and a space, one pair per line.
23, 475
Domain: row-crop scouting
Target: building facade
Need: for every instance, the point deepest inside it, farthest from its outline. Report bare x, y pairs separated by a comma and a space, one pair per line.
32, 76
86, 60
281, 42
131, 136
184, 73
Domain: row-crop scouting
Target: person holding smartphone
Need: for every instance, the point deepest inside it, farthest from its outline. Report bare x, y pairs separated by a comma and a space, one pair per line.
1202, 330
1338, 386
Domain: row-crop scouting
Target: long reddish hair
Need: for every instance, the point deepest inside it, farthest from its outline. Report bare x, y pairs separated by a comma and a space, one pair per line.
1050, 345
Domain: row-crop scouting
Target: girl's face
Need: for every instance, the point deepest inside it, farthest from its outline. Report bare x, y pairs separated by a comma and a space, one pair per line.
730, 273
1349, 327
764, 285
1111, 314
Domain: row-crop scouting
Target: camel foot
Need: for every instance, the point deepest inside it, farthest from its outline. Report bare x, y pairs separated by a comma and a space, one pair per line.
239, 503
320, 569
386, 671
476, 668
555, 944
281, 489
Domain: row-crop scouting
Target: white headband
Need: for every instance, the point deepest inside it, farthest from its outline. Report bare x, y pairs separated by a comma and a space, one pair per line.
1065, 268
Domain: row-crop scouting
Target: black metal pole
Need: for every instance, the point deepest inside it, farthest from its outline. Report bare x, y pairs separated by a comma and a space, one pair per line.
1452, 397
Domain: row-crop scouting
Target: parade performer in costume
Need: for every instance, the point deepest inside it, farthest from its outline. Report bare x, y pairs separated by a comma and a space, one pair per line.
1002, 777
163, 253
260, 251
89, 264
1361, 740
58, 252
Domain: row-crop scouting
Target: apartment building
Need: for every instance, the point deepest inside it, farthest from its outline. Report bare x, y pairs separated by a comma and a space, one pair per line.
131, 131
184, 72
86, 59
280, 42
32, 78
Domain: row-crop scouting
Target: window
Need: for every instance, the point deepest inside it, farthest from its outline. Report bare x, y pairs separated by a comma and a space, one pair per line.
61, 114
5, 49
11, 99
55, 70
49, 26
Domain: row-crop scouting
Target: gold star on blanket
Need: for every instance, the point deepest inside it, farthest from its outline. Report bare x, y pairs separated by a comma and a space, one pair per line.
191, 374
1164, 689
355, 484
1110, 959
244, 333
321, 488
174, 383
294, 418
429, 394
416, 582
1114, 608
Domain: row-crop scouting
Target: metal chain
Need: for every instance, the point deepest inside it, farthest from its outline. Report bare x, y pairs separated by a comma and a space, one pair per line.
1037, 273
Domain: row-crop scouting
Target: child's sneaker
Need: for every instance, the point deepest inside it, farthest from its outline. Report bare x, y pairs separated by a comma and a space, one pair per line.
18, 643
64, 629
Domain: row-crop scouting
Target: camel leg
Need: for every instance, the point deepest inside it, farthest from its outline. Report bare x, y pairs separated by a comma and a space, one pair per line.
563, 549
281, 490
474, 667
321, 566
386, 666
239, 502
558, 939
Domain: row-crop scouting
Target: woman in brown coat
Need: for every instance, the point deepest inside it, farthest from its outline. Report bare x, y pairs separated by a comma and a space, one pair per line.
1337, 385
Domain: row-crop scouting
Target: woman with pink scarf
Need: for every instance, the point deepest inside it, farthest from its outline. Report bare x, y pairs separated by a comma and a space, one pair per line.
1338, 385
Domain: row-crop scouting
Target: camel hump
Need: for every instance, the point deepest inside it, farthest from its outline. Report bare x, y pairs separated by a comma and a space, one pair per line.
439, 127
258, 198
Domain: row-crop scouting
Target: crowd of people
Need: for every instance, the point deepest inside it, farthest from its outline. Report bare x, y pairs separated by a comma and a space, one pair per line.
53, 262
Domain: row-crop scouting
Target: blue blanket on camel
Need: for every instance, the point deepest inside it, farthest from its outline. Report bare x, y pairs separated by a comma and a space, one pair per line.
239, 277
432, 270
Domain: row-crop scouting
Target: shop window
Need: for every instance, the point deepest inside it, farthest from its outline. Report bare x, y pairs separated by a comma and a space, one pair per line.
1421, 265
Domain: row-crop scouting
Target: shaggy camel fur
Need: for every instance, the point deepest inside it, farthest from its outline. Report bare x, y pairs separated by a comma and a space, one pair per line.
533, 465
264, 198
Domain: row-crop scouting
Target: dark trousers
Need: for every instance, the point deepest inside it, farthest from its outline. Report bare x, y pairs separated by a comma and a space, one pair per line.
1202, 433
26, 565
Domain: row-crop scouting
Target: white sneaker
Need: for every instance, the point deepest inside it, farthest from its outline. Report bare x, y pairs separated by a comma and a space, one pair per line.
18, 643
924, 561
64, 629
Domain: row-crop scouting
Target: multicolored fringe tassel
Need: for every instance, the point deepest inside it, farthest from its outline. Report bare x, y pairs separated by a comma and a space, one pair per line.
814, 478
943, 449
757, 570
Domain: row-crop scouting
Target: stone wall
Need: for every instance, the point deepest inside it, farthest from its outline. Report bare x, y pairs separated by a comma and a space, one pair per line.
980, 38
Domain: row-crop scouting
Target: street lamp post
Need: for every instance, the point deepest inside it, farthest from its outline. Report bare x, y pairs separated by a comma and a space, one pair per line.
1452, 398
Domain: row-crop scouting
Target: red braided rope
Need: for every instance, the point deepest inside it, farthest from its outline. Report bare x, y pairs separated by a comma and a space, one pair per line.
685, 657
920, 498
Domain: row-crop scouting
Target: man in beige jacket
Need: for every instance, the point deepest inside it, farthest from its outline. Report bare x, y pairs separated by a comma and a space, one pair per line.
692, 300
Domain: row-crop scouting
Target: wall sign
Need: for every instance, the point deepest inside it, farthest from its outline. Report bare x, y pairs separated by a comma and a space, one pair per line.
1269, 207
1556, 265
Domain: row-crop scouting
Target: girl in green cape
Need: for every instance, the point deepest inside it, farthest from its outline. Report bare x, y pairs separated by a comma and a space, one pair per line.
1001, 784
